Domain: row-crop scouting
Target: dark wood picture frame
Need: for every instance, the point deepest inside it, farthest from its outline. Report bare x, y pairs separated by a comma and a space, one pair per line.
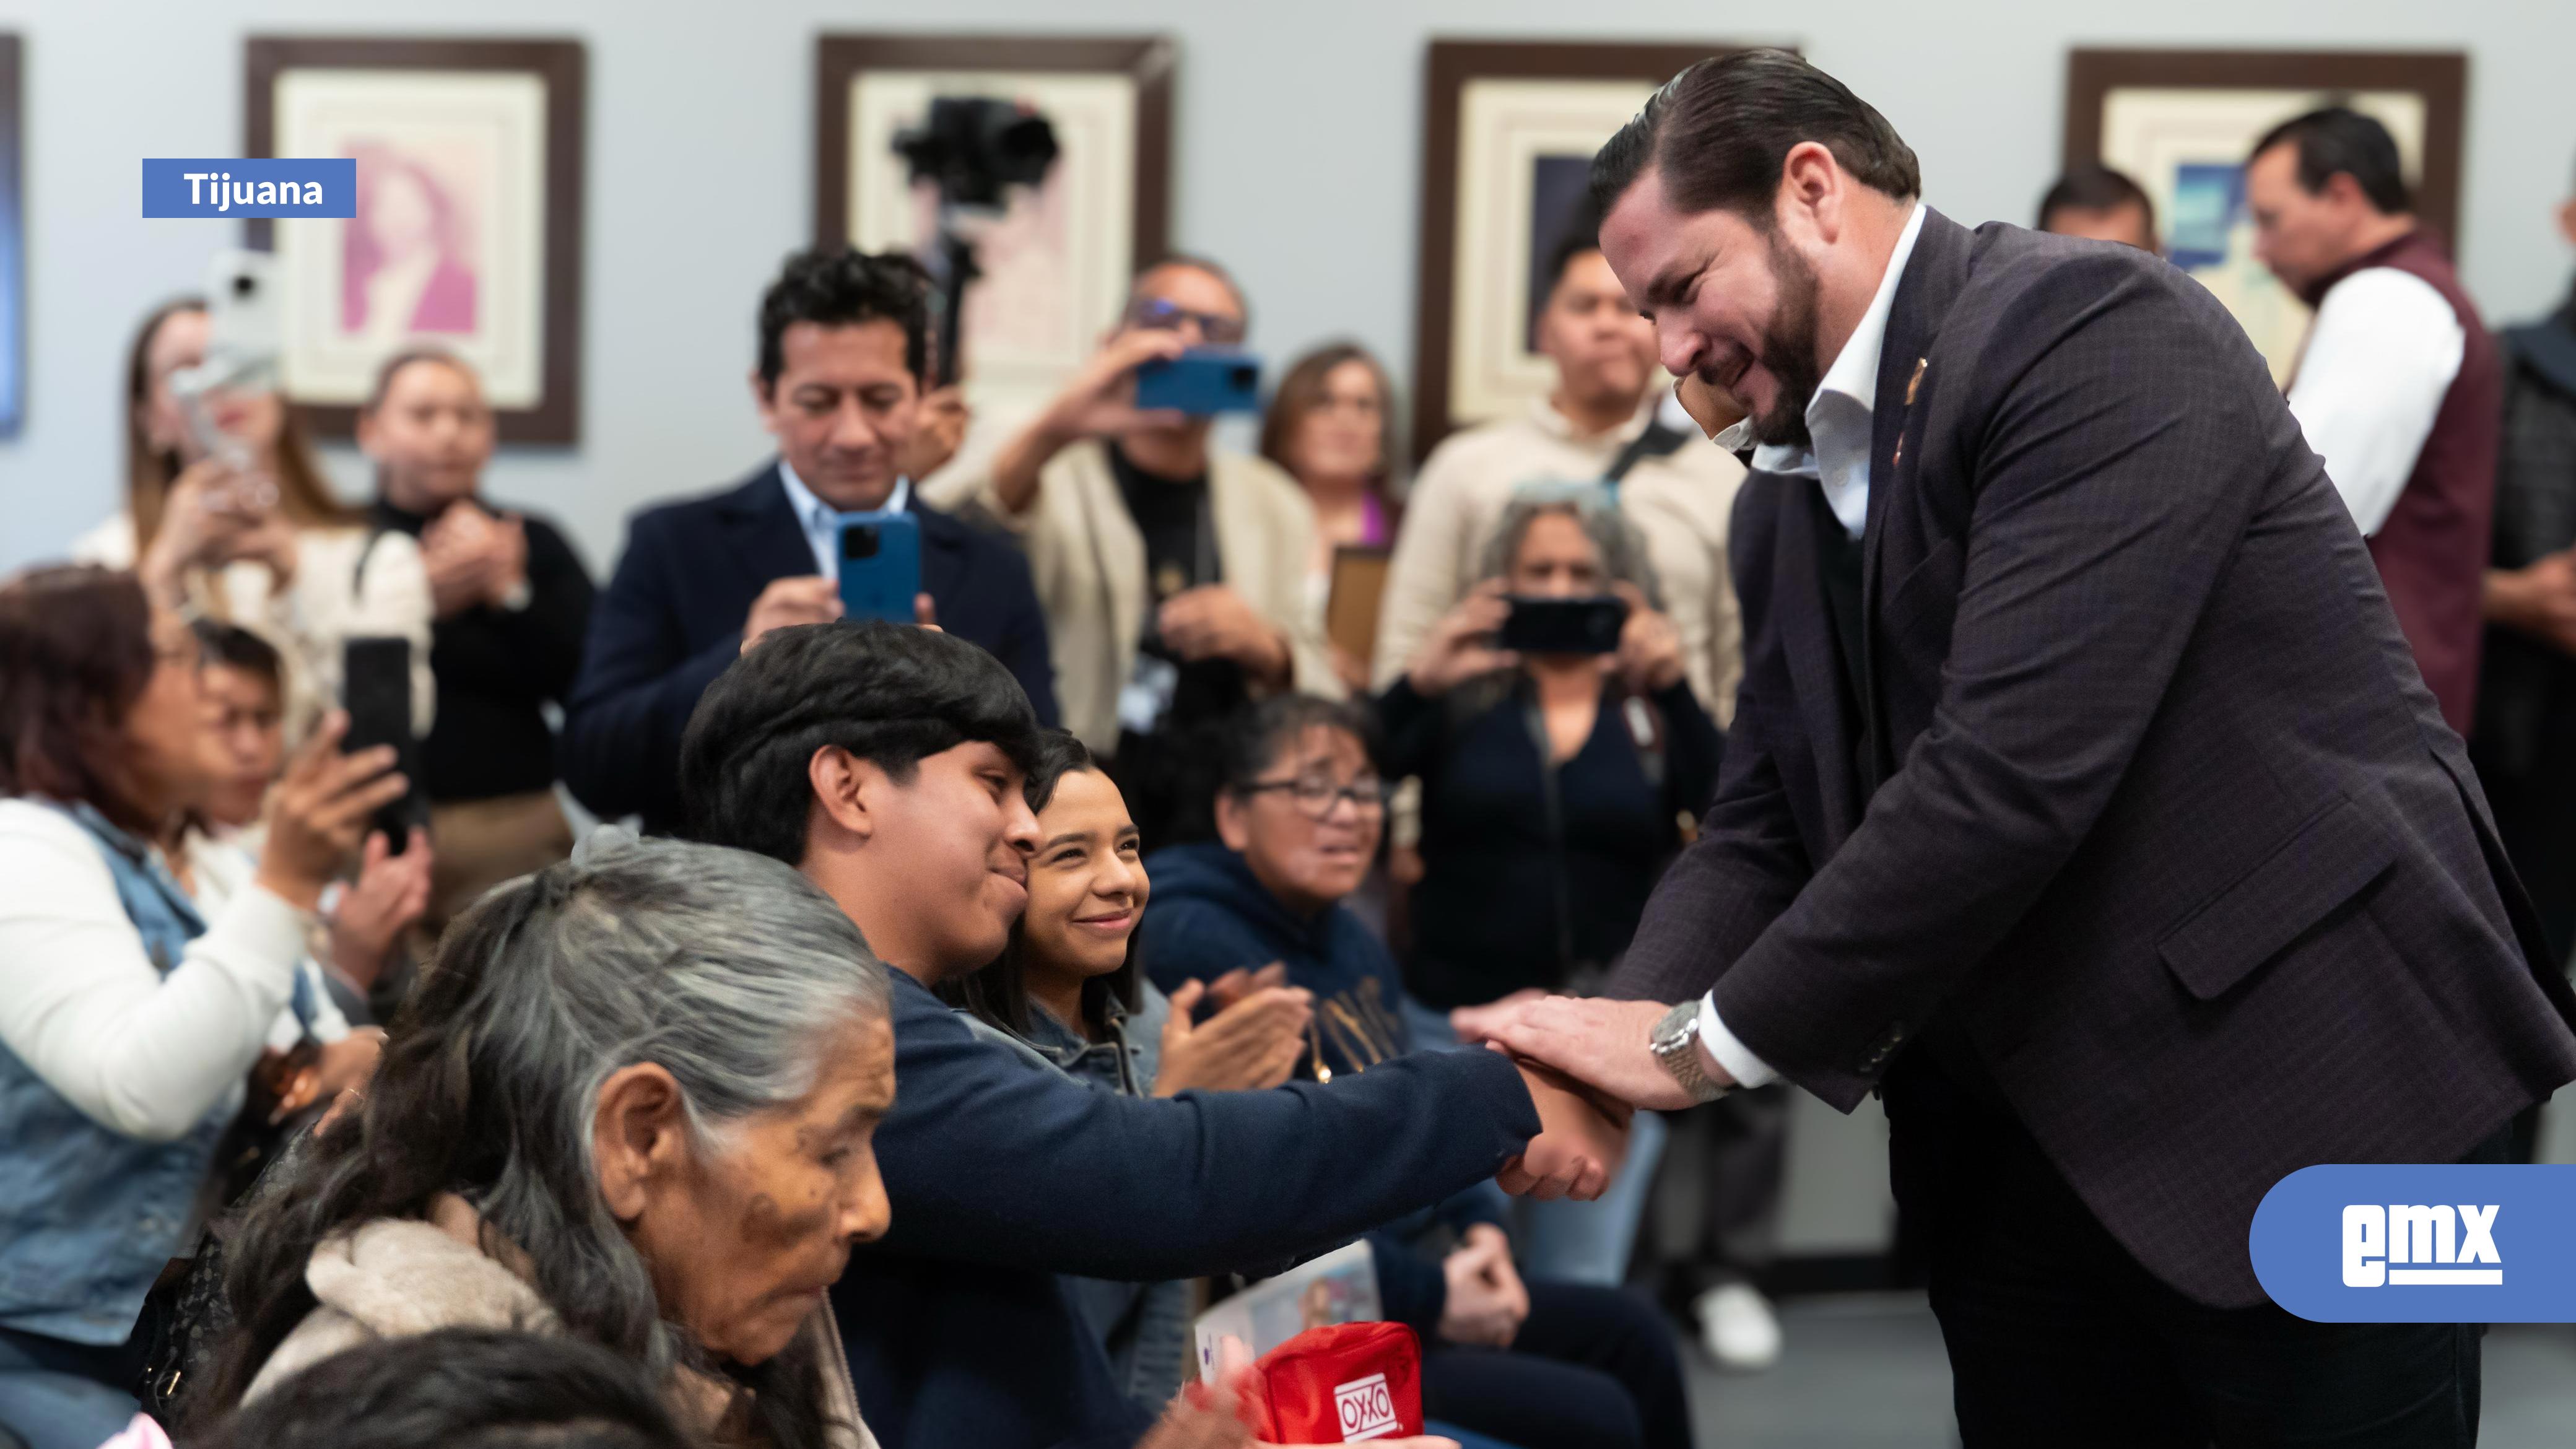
1447, 68
1148, 60
13, 236
2440, 77
563, 66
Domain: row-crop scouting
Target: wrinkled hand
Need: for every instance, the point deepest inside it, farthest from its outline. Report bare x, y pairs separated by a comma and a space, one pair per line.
387, 899
804, 599
1487, 1301
1249, 1045
1602, 1044
1580, 1143
1649, 658
938, 430
1460, 647
318, 813
2538, 599
1212, 621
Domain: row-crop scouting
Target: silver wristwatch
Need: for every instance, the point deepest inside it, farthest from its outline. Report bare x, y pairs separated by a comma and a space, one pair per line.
1675, 1043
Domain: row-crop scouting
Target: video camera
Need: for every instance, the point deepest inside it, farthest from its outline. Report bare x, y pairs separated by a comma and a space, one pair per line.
972, 148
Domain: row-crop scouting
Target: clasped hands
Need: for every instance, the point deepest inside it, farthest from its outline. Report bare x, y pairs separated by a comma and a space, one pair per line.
1588, 1067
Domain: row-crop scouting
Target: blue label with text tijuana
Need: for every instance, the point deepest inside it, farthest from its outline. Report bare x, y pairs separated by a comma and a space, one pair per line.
2483, 1243
326, 186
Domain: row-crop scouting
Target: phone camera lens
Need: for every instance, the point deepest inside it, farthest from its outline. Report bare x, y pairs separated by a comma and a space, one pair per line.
859, 542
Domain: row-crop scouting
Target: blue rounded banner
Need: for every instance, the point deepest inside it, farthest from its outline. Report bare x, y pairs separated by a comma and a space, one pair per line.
2420, 1244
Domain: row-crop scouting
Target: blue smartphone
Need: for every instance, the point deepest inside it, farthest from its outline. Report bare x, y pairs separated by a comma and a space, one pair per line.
880, 567
1202, 382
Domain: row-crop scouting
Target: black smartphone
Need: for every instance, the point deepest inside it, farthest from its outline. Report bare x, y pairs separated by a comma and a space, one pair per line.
1588, 624
375, 687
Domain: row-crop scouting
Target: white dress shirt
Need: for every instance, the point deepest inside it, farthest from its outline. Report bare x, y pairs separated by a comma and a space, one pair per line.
822, 522
2381, 357
1840, 421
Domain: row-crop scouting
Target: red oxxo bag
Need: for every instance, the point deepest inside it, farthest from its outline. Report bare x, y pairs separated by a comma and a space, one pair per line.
1339, 1385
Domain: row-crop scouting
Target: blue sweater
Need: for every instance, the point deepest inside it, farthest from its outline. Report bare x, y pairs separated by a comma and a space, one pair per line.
1004, 1172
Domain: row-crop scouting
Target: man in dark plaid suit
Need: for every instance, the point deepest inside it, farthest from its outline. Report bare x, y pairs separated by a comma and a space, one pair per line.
2083, 798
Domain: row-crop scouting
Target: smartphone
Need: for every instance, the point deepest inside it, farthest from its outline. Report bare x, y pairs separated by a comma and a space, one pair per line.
243, 332
375, 688
880, 567
1585, 625
1201, 382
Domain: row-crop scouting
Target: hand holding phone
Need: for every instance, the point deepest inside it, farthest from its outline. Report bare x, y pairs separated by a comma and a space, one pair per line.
1201, 382
375, 686
1586, 625
881, 568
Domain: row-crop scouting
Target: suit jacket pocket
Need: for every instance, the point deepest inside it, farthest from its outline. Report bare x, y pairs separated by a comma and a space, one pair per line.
2323, 864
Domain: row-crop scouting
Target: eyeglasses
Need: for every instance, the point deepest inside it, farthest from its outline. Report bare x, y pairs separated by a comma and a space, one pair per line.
1315, 797
1156, 315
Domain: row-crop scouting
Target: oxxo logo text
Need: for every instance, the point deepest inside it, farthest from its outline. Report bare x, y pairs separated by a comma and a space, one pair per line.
1367, 1409
2420, 1244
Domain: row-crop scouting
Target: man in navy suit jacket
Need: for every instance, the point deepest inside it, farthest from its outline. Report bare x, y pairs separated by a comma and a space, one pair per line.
843, 351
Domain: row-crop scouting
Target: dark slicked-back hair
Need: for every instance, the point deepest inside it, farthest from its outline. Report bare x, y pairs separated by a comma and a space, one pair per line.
843, 287
2095, 187
891, 694
2340, 138
458, 1388
1721, 130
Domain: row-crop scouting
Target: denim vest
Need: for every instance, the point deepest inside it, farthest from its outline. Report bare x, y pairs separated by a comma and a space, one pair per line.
89, 1216
1145, 1327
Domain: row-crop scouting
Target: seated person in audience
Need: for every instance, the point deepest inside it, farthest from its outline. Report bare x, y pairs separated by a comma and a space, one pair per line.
1331, 426
630, 1105
844, 345
2102, 204
129, 1020
1300, 820
888, 763
1174, 575
314, 1053
512, 602
252, 534
1678, 488
366, 920
1067, 987
499, 1387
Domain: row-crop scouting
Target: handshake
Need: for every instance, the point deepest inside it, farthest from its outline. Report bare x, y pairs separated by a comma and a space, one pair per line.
1588, 1067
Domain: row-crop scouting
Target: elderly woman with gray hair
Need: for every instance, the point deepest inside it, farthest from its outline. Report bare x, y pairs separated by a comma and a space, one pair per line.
632, 1103
1554, 789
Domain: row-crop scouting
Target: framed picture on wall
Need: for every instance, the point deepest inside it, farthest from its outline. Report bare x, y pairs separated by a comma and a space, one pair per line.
2181, 122
1055, 259
1508, 132
13, 243
468, 231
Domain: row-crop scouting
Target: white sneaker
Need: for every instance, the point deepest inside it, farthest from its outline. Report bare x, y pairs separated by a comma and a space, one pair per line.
1738, 1328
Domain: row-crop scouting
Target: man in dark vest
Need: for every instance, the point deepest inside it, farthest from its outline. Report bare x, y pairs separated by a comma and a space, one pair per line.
2082, 800
2398, 387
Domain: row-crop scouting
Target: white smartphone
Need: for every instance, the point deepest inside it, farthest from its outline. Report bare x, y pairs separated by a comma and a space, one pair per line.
243, 337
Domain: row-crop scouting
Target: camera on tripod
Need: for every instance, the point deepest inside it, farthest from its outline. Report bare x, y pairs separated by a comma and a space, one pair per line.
973, 148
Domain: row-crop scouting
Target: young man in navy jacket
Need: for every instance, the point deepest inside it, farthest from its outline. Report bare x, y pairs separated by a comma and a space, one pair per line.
886, 763
844, 347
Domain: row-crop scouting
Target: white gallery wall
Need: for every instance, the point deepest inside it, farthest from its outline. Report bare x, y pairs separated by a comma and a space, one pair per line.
1298, 150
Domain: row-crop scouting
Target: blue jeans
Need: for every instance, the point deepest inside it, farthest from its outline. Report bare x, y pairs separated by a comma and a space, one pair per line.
59, 1395
1571, 1242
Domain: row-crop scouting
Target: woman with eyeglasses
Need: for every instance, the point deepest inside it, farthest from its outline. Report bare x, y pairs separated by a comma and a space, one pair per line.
1173, 574
1537, 1363
1331, 425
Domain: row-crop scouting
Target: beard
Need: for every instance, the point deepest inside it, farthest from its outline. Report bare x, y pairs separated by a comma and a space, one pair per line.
1789, 350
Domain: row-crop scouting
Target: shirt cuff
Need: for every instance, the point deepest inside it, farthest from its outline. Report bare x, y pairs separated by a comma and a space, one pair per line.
1729, 1053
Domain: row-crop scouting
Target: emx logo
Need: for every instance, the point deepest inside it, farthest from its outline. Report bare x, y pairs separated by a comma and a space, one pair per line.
2439, 1242
2420, 1244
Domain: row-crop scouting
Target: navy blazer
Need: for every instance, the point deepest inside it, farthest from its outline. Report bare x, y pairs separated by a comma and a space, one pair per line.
671, 620
1004, 1172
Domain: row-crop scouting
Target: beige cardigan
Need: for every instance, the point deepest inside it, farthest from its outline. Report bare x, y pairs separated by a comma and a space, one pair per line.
1088, 560
399, 1276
